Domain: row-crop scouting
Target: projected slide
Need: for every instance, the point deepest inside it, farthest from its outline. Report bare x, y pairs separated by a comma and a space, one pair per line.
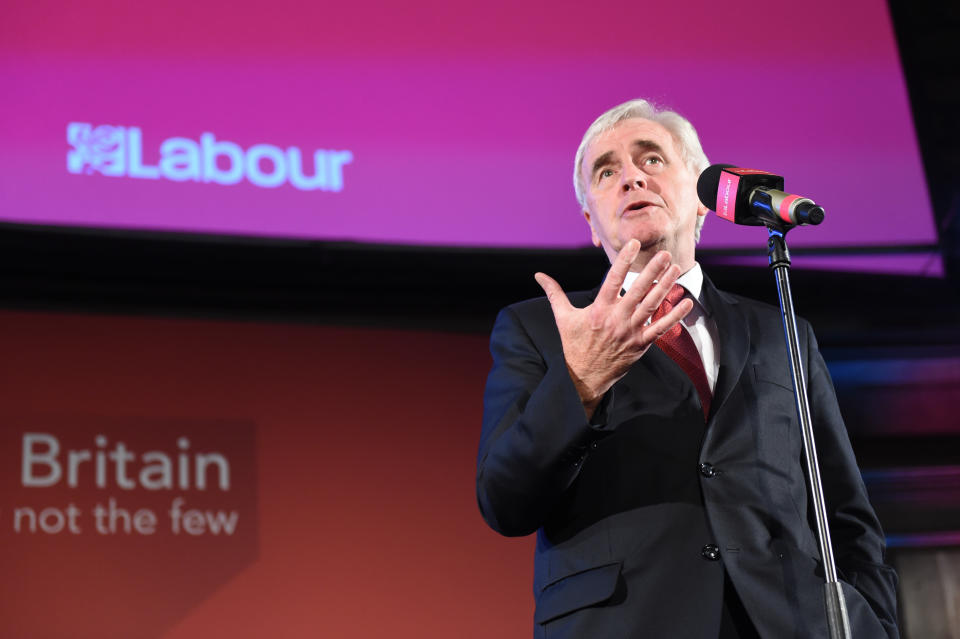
156, 483
427, 123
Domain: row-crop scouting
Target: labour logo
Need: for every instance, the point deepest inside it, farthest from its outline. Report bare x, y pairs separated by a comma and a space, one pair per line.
118, 151
100, 149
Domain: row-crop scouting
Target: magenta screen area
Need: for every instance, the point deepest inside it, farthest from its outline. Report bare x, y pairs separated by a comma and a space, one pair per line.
424, 123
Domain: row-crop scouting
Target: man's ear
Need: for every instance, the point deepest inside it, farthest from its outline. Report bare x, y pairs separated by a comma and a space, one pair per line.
593, 233
702, 209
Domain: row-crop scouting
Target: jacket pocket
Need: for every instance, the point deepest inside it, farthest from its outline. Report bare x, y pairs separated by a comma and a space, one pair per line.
577, 591
778, 376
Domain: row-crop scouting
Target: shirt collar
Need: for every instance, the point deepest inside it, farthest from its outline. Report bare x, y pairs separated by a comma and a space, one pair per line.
692, 280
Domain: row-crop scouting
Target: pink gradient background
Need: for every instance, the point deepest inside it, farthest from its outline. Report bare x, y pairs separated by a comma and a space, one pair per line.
462, 119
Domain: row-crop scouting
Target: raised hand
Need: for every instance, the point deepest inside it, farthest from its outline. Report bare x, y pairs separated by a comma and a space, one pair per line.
603, 340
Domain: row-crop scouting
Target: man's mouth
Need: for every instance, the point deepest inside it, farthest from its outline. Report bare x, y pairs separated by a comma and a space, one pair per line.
636, 206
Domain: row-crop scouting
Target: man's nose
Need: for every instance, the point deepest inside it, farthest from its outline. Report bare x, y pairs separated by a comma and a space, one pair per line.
634, 178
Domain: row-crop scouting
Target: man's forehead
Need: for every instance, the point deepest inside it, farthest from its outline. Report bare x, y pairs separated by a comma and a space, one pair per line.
628, 132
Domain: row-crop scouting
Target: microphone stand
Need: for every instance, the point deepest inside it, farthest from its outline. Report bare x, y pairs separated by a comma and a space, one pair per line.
834, 599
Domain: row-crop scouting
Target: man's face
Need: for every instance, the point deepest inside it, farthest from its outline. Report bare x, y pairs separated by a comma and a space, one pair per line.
637, 186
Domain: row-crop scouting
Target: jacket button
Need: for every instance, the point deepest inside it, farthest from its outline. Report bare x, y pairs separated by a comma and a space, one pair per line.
707, 470
710, 552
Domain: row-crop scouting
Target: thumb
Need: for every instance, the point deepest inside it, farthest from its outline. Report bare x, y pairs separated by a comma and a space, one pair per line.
555, 295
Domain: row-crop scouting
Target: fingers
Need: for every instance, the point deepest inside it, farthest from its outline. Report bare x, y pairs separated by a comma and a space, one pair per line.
610, 290
650, 288
655, 296
656, 270
555, 295
656, 329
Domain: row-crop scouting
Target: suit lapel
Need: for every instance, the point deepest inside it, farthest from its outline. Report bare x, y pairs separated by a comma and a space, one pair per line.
734, 346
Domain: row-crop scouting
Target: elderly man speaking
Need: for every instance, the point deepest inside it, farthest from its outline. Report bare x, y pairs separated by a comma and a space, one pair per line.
647, 430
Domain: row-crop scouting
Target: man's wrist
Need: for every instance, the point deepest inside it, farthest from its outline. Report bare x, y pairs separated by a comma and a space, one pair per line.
589, 397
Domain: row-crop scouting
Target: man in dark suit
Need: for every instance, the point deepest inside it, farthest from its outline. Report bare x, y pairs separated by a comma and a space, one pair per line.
648, 432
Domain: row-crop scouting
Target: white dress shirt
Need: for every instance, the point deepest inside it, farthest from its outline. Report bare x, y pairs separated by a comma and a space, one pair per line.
699, 323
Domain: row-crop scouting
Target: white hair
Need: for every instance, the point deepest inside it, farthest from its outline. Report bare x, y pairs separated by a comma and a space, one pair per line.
679, 127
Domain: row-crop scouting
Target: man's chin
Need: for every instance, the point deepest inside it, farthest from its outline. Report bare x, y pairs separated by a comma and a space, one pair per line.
648, 242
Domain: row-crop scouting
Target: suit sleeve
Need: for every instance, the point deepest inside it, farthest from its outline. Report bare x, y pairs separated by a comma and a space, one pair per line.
535, 432
858, 540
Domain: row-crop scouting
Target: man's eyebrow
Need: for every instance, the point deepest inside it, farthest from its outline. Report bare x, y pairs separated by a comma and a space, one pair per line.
601, 162
648, 145
607, 158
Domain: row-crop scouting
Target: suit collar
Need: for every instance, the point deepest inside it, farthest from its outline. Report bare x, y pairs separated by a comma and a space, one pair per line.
692, 280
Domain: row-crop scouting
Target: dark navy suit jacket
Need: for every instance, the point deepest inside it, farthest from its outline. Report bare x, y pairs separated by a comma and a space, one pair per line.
641, 510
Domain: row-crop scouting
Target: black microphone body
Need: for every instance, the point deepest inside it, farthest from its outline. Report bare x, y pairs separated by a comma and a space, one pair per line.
754, 198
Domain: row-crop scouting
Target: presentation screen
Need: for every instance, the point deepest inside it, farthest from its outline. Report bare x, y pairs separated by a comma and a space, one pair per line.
451, 124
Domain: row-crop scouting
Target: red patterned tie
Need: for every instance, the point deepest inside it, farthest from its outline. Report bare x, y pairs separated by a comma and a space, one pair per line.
678, 344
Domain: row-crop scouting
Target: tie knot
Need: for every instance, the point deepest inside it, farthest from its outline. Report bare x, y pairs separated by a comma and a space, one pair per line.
675, 295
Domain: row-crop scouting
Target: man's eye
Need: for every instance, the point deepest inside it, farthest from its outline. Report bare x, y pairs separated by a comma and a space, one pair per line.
653, 159
605, 173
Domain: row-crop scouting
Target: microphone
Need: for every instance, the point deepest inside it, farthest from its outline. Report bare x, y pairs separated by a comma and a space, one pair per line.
754, 198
